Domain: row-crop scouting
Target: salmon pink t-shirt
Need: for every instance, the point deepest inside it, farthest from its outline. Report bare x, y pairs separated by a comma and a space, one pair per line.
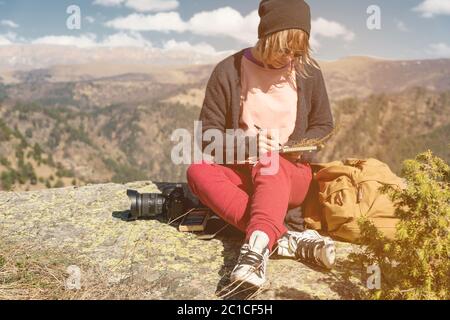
268, 97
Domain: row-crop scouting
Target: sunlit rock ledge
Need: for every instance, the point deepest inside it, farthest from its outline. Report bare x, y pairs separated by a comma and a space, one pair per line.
163, 263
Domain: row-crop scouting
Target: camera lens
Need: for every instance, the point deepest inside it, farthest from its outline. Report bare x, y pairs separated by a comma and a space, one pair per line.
146, 204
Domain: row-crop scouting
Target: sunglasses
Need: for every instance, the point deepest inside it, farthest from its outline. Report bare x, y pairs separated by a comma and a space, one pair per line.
288, 52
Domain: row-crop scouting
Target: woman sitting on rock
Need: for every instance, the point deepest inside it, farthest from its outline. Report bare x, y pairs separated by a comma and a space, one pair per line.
277, 86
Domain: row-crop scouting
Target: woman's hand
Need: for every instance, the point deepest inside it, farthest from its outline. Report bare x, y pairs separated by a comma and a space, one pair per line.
266, 143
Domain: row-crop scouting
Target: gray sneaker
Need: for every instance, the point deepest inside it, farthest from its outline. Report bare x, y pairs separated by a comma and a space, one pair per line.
252, 261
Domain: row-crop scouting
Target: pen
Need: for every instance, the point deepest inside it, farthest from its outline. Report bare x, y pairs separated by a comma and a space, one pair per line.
259, 129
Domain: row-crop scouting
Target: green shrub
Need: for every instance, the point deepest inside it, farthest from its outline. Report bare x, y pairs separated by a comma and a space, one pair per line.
7, 179
3, 94
29, 133
78, 135
19, 154
59, 184
5, 131
63, 172
123, 172
416, 264
4, 162
55, 138
37, 153
49, 161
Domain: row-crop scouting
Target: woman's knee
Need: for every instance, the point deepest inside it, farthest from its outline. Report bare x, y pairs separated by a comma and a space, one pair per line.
197, 173
196, 170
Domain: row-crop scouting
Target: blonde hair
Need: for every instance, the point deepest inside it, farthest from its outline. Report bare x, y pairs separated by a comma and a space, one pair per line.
295, 40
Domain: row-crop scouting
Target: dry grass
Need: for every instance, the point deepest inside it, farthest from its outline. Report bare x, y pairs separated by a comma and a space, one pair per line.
29, 273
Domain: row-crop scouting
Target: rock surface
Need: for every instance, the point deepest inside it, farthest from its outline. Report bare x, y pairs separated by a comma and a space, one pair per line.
163, 262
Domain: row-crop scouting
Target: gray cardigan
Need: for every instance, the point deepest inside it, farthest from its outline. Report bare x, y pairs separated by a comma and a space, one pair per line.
222, 103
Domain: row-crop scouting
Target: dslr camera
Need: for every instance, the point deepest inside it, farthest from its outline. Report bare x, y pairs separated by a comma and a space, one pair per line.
169, 204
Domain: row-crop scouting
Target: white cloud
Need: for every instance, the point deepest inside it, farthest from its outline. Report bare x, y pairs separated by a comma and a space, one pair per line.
322, 27
7, 38
90, 19
141, 5
331, 29
83, 41
163, 21
122, 39
109, 3
314, 43
152, 5
88, 40
430, 8
226, 22
440, 50
4, 41
202, 47
9, 23
119, 39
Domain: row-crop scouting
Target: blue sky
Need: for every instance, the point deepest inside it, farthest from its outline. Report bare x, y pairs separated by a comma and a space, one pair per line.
410, 29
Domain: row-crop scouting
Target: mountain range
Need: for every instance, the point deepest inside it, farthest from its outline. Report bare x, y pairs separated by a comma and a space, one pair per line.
98, 119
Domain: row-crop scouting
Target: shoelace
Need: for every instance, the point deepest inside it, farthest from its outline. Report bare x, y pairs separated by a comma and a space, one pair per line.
307, 248
251, 258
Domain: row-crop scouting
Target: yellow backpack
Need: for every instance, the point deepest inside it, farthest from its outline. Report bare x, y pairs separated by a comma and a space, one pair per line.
343, 191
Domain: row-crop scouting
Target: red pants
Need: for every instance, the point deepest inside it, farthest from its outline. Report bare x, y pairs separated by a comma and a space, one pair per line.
247, 199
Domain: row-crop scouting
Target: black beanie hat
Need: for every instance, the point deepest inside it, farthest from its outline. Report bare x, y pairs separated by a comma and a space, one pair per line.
277, 15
